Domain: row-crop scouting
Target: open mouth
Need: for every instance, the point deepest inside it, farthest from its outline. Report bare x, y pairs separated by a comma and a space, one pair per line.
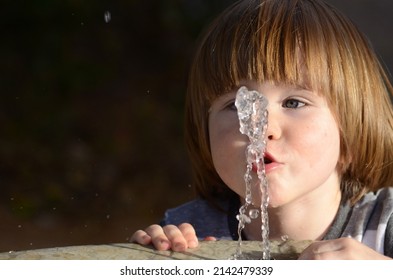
267, 159
269, 164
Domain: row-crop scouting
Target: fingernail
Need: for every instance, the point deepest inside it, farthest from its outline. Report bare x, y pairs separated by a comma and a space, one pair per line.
192, 244
179, 247
146, 238
164, 245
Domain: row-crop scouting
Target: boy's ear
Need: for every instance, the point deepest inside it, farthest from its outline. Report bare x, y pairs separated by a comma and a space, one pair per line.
343, 162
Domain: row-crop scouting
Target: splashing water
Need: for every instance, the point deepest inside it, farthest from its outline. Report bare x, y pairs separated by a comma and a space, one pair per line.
252, 112
107, 16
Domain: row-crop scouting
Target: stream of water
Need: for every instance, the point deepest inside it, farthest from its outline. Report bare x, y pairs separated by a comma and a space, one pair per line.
252, 112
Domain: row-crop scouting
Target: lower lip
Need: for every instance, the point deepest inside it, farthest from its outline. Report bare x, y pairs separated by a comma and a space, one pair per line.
268, 167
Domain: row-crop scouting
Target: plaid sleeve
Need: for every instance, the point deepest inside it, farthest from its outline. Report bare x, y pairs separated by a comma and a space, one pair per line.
388, 248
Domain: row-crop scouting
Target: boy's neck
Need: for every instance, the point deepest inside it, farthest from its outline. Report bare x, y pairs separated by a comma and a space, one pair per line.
308, 219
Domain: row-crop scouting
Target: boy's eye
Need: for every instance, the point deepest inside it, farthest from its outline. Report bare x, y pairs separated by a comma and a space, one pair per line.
293, 103
231, 106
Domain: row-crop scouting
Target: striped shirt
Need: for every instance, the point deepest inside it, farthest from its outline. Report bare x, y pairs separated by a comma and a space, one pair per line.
369, 221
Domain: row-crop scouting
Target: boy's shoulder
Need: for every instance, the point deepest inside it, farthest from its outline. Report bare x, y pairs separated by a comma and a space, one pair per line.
371, 220
384, 195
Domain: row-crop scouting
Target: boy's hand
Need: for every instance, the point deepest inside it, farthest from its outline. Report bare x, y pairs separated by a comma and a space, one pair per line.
176, 238
340, 249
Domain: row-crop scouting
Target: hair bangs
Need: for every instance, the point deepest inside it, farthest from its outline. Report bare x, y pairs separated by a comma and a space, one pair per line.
273, 42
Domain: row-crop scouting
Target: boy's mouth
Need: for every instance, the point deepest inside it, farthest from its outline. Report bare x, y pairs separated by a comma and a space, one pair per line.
267, 159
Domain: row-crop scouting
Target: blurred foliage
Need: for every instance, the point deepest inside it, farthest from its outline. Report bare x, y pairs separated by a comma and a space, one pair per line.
91, 116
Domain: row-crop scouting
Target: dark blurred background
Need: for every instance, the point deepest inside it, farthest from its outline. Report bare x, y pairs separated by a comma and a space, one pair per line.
91, 113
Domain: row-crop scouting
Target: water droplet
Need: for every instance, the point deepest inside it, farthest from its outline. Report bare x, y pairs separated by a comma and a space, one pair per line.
253, 213
107, 16
285, 238
243, 219
108, 216
19, 226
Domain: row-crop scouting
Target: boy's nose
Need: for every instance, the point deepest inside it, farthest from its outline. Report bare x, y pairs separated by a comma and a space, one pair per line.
273, 131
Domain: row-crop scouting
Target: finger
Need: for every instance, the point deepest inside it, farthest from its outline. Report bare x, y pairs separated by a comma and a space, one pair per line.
324, 250
210, 238
189, 234
333, 245
176, 238
140, 237
158, 237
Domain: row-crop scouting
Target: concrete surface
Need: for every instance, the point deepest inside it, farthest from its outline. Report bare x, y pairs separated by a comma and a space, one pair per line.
129, 251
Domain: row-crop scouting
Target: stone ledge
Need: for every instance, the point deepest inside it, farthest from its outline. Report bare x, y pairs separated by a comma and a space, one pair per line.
207, 250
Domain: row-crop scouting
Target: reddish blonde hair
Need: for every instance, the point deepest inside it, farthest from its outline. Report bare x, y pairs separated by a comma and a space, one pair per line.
299, 42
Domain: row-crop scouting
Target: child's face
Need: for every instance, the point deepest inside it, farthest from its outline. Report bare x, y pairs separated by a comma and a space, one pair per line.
303, 143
